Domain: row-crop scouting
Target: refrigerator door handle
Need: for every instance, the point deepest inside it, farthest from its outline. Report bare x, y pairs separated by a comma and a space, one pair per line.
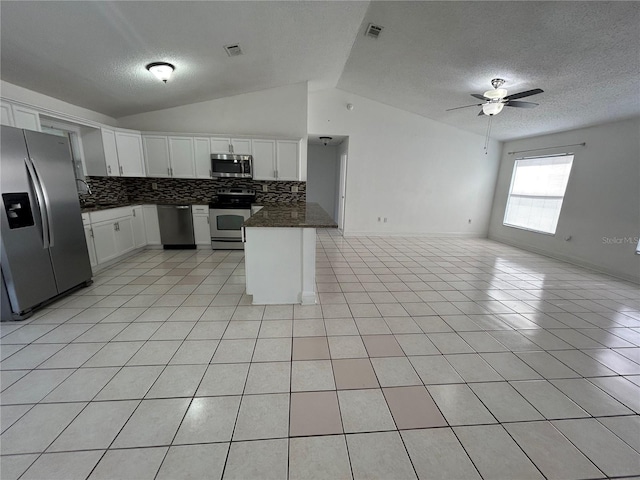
33, 179
47, 205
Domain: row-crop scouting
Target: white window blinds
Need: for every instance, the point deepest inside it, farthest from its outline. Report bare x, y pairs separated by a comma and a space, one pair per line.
537, 190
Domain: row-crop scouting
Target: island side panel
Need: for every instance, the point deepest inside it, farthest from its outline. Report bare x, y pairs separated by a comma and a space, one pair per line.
308, 296
274, 264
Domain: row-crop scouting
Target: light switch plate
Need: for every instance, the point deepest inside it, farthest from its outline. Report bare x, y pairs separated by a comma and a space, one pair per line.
265, 188
154, 186
294, 189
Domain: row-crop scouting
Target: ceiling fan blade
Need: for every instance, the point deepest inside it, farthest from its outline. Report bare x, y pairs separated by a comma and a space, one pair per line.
513, 103
478, 96
466, 106
527, 93
481, 113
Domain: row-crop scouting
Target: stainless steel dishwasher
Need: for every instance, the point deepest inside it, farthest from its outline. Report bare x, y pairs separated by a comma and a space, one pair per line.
176, 226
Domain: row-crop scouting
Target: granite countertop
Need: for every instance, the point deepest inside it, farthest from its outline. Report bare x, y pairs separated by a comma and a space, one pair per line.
292, 215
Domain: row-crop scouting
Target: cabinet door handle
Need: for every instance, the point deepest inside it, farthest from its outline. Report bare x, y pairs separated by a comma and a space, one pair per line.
171, 171
115, 226
134, 213
168, 171
109, 169
210, 174
230, 148
91, 232
120, 169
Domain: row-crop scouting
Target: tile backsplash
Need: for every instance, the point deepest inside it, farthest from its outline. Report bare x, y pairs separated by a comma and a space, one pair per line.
127, 190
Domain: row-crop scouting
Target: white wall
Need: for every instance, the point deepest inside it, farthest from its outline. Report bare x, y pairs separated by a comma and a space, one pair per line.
343, 149
50, 105
321, 176
427, 178
602, 200
278, 111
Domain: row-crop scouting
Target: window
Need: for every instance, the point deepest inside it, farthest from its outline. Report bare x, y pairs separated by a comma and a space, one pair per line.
536, 194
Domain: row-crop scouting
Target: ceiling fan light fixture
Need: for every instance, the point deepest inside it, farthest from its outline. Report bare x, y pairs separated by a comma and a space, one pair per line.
492, 108
496, 93
162, 70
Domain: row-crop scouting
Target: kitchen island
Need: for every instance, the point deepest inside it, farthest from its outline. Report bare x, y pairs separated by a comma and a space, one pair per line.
280, 252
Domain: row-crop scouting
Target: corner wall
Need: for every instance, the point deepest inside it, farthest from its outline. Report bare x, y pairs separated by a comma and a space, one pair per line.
427, 178
275, 112
601, 208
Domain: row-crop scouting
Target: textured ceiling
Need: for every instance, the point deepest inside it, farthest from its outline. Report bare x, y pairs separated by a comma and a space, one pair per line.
93, 54
432, 55
429, 57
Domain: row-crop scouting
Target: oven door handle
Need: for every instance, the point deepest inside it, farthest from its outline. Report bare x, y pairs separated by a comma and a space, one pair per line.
244, 238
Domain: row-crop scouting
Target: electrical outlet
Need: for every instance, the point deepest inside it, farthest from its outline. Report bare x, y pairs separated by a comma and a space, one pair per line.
294, 189
385, 219
265, 188
154, 186
379, 218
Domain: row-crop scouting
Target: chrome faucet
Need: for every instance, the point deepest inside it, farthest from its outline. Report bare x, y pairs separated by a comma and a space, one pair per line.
86, 184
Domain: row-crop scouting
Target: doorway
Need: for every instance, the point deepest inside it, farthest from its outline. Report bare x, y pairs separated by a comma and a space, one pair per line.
326, 174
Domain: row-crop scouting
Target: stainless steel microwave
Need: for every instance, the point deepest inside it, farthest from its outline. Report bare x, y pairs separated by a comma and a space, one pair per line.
231, 165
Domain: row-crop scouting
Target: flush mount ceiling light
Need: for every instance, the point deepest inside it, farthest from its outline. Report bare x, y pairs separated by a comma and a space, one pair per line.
325, 140
162, 70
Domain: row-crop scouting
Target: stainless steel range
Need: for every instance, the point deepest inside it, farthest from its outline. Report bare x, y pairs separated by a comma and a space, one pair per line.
226, 216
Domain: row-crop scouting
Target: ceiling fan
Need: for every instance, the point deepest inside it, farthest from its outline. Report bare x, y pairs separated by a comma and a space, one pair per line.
495, 100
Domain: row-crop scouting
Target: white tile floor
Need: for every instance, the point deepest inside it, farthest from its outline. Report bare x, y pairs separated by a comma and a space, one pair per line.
429, 358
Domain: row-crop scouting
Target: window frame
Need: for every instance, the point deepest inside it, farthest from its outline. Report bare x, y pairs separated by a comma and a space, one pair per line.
511, 184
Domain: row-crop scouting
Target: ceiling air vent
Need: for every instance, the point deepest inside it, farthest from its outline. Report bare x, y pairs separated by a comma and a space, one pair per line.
233, 50
373, 31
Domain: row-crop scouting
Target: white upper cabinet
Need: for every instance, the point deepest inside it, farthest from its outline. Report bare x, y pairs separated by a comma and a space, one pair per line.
182, 158
110, 152
264, 159
156, 155
202, 149
241, 146
220, 145
130, 157
6, 115
287, 159
26, 118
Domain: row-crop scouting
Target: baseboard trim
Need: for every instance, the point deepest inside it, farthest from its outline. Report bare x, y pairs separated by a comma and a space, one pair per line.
566, 258
415, 235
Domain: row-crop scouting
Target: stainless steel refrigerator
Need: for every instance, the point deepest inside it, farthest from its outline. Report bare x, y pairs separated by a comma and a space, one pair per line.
43, 248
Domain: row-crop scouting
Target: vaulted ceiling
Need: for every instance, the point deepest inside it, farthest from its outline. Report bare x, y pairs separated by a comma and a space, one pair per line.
429, 57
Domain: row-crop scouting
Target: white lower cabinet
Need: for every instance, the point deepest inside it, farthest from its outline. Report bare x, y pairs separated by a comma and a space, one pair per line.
201, 230
91, 248
139, 233
151, 224
114, 232
104, 238
124, 235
